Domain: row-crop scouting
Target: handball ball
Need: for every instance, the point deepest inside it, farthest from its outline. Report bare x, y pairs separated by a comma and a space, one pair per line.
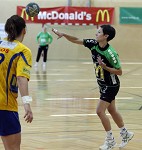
32, 9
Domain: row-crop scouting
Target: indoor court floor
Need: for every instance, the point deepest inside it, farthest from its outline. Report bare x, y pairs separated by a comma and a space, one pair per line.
64, 107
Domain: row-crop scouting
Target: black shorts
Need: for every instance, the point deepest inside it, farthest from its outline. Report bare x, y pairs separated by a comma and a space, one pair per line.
108, 93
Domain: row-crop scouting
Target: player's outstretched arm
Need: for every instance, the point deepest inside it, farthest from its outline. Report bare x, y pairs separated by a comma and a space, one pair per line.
68, 37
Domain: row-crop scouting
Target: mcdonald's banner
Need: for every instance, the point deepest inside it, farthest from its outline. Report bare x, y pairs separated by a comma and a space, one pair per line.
130, 15
70, 15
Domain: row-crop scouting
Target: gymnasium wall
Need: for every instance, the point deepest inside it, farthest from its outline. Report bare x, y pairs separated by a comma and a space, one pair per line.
128, 41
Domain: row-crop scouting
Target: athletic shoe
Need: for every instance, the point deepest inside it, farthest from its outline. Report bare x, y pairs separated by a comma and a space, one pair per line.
44, 67
108, 144
126, 138
36, 64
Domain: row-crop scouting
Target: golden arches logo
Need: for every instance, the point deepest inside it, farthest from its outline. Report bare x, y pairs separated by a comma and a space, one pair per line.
24, 14
101, 15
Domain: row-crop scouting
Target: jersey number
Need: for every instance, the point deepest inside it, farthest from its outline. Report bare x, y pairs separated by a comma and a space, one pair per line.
1, 58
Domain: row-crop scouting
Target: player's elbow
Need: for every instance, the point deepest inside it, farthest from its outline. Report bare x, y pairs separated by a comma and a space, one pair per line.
78, 42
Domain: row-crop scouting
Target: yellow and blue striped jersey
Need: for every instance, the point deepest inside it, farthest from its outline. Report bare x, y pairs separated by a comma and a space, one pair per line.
15, 60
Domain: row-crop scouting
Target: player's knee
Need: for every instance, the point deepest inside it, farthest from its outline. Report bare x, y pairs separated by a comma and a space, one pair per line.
99, 112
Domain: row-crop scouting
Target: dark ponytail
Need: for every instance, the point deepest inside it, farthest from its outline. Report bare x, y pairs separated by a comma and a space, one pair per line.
14, 26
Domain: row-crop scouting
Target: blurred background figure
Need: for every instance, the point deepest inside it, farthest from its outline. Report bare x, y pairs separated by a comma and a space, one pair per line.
43, 38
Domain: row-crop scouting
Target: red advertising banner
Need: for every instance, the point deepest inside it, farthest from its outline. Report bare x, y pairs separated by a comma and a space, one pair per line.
70, 15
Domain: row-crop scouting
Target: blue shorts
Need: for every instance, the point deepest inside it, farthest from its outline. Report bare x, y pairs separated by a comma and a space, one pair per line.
9, 123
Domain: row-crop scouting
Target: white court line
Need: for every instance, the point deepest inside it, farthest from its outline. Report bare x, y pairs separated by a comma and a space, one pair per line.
79, 80
59, 99
39, 80
76, 80
63, 80
71, 69
64, 99
116, 98
75, 115
131, 87
49, 74
132, 63
126, 63
137, 74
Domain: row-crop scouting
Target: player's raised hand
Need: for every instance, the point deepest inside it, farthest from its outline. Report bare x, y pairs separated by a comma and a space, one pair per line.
101, 63
58, 33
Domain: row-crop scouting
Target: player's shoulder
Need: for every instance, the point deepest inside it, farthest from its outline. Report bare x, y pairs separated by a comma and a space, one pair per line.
48, 33
90, 41
39, 33
23, 47
14, 45
4, 43
112, 50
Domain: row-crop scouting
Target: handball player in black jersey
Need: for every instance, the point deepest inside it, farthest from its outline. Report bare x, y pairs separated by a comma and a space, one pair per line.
107, 70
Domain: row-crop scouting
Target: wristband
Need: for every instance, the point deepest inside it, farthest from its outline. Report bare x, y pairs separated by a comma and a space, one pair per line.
26, 99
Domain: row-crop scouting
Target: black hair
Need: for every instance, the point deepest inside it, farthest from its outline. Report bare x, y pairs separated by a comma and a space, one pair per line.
109, 30
14, 26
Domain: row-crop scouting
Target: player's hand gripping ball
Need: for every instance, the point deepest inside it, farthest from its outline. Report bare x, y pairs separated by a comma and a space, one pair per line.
32, 9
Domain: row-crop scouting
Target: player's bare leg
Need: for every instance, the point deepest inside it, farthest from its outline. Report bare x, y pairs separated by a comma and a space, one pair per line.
12, 142
109, 141
126, 135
